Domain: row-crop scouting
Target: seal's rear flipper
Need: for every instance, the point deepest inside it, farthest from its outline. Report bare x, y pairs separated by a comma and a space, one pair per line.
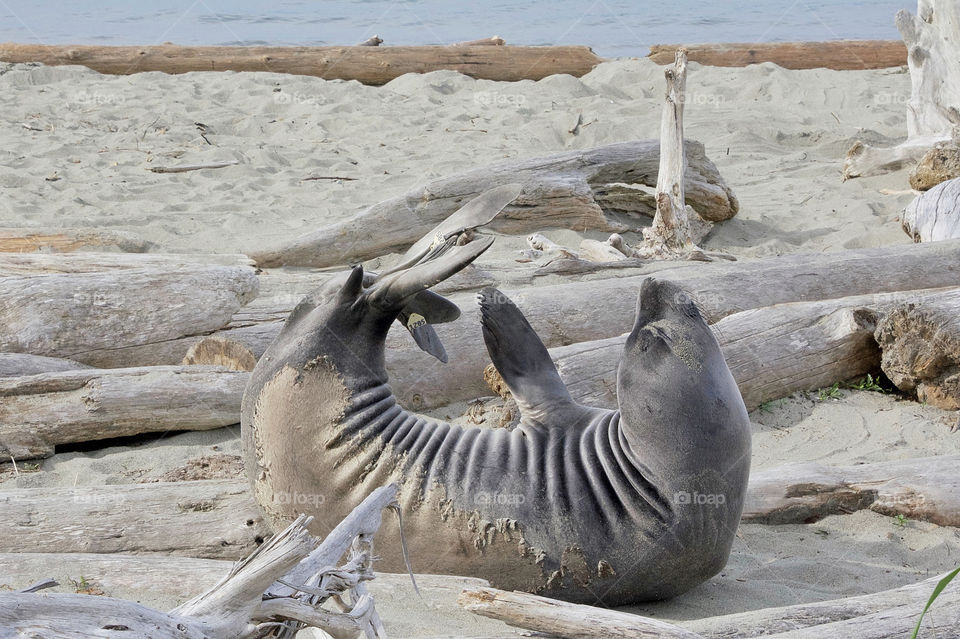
522, 359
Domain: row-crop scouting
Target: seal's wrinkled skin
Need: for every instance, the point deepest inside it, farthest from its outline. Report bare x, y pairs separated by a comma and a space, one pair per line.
576, 503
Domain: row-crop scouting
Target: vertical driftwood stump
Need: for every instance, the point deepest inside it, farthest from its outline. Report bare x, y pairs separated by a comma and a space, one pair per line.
921, 349
671, 234
932, 38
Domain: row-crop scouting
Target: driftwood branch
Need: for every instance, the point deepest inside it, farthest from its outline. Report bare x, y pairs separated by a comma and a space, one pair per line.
231, 608
183, 168
15, 364
568, 190
369, 65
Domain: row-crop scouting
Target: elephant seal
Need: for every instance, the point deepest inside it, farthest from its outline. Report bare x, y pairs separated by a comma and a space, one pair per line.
577, 503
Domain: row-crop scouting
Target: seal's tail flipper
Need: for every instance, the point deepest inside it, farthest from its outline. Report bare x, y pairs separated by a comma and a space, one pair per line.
521, 358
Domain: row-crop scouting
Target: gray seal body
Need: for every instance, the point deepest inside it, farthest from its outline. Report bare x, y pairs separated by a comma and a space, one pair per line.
577, 503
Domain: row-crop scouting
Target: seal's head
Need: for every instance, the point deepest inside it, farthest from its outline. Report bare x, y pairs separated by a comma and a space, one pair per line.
675, 387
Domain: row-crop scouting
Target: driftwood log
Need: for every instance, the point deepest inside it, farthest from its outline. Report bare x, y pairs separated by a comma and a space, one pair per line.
237, 606
932, 39
38, 412
921, 348
86, 316
15, 364
28, 240
842, 55
922, 489
369, 65
885, 615
935, 214
568, 190
95, 262
207, 518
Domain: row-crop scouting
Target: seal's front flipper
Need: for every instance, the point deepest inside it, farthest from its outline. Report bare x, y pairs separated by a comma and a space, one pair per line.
523, 361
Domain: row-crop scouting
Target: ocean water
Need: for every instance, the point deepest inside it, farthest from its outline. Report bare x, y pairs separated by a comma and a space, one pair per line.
612, 28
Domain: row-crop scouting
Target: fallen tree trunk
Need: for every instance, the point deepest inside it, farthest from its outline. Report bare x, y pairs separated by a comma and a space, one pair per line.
923, 489
207, 518
934, 215
921, 348
87, 316
16, 364
369, 65
21, 240
38, 412
244, 602
841, 55
565, 190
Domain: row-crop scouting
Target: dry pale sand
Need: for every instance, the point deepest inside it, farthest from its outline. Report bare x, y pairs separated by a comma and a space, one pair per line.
777, 136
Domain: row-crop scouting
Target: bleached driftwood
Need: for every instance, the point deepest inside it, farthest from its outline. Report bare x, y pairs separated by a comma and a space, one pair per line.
567, 620
38, 412
558, 190
28, 240
236, 606
369, 65
935, 214
939, 164
877, 616
87, 316
158, 580
925, 489
15, 364
920, 340
932, 38
206, 518
841, 55
94, 262
671, 233
219, 351
493, 41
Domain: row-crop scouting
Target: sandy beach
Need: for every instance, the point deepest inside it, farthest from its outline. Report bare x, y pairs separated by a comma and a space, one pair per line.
78, 146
